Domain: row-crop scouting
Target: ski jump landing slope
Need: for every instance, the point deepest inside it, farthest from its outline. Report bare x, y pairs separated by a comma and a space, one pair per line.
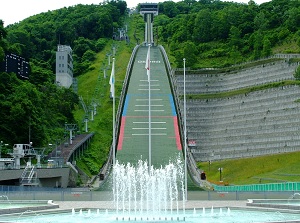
133, 139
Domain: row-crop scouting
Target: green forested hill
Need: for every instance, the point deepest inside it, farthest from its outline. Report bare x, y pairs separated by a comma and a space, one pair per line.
38, 106
212, 33
208, 33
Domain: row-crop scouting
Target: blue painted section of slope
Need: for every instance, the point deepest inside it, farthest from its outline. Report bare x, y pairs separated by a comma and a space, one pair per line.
172, 105
126, 105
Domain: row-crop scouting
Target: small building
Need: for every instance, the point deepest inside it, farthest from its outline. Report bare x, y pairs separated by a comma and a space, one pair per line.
64, 66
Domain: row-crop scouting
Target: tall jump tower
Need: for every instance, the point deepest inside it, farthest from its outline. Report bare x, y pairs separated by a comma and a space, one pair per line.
149, 10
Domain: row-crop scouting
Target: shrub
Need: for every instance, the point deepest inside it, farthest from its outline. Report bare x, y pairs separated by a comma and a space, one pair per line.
297, 73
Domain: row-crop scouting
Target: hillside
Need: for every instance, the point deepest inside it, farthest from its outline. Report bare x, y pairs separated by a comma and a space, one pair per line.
277, 168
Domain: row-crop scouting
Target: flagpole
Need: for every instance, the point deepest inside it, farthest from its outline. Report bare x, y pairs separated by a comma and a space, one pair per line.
112, 91
148, 73
185, 138
114, 119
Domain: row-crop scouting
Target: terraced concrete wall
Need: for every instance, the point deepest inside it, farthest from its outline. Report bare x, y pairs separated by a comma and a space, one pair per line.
214, 83
255, 124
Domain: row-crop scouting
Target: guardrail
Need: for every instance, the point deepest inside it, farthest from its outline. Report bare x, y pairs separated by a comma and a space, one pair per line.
86, 195
192, 166
286, 186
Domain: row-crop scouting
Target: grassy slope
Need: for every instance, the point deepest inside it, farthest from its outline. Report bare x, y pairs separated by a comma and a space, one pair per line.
264, 169
93, 85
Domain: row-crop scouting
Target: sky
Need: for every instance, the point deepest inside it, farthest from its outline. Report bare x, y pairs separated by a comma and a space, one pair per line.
13, 11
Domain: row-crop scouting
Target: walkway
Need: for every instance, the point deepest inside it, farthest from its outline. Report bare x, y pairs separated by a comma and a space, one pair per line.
71, 151
68, 205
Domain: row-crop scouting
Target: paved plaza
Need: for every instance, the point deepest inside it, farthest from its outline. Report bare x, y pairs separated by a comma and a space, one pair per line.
65, 205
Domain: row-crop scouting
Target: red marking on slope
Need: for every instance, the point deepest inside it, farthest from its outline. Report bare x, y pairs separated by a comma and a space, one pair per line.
148, 116
177, 136
121, 135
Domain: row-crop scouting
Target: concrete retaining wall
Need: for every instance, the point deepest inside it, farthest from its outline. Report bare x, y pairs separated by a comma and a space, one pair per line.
48, 177
259, 123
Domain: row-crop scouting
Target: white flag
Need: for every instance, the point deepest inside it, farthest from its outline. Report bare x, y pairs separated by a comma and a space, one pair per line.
147, 65
112, 80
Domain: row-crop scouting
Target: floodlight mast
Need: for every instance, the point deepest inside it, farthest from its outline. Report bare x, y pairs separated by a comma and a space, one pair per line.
185, 137
149, 84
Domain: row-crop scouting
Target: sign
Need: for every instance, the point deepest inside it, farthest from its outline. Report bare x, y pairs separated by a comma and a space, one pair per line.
192, 143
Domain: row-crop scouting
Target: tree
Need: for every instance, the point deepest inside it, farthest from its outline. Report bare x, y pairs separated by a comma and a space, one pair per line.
266, 47
41, 72
187, 50
21, 41
3, 34
297, 73
235, 37
257, 45
89, 55
81, 45
293, 19
169, 9
260, 22
235, 54
26, 114
203, 24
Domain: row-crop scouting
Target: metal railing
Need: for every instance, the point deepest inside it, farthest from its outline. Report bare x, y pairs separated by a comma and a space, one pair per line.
192, 166
286, 186
58, 194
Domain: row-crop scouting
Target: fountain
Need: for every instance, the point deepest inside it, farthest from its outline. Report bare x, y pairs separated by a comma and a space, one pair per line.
145, 190
145, 194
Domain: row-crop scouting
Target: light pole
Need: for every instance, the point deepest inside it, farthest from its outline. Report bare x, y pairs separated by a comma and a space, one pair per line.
108, 55
51, 146
184, 117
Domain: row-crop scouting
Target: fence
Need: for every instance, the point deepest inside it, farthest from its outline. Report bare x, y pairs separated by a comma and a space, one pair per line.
286, 186
73, 195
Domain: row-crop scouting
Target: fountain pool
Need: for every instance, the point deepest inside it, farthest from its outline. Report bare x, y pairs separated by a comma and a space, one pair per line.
19, 206
145, 194
207, 215
275, 203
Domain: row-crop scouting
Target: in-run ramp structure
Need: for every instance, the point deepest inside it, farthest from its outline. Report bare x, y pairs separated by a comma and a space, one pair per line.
133, 139
141, 121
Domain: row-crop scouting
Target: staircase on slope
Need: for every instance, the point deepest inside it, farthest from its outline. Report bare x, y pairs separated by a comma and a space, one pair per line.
29, 176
